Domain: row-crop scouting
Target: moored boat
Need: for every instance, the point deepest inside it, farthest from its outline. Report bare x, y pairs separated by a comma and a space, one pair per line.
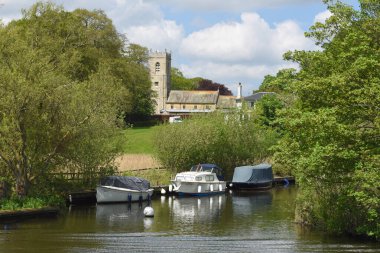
201, 180
257, 177
123, 189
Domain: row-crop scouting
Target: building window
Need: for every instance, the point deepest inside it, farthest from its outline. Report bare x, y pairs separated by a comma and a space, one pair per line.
207, 107
195, 107
184, 107
157, 67
156, 84
172, 107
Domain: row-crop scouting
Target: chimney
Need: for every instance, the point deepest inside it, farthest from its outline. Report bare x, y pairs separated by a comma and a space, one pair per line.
239, 91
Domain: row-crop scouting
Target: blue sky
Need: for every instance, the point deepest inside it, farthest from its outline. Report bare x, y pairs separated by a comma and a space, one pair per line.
227, 41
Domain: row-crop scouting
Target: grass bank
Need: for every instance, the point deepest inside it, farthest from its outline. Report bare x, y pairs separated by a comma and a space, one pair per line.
139, 140
21, 203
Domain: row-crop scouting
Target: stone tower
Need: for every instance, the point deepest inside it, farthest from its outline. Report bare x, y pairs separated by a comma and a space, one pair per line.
160, 65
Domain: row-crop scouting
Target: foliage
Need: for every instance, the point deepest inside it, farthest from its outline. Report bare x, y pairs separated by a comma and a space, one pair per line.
133, 72
332, 130
279, 83
205, 84
179, 82
267, 109
17, 203
229, 140
60, 93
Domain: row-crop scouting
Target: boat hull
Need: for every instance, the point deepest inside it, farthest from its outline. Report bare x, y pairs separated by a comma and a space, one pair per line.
198, 188
244, 186
109, 194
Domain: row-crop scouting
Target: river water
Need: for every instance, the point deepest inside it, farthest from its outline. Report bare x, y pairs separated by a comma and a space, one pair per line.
257, 222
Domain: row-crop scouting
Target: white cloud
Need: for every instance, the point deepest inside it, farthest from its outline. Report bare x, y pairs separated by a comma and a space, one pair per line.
322, 16
228, 5
161, 35
243, 51
250, 41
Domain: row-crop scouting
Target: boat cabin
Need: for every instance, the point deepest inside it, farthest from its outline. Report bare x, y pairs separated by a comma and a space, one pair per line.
208, 167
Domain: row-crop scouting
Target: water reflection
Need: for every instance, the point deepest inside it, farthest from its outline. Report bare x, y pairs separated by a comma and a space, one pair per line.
123, 216
189, 210
248, 203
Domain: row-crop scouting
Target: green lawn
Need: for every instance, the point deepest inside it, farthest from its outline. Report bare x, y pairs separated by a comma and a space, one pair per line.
139, 140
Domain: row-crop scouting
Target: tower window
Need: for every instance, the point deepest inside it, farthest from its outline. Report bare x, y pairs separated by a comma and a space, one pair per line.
155, 83
157, 67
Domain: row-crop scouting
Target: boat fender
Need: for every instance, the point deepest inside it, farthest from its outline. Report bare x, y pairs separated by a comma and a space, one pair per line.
148, 211
286, 182
163, 192
170, 188
220, 188
231, 185
211, 188
199, 188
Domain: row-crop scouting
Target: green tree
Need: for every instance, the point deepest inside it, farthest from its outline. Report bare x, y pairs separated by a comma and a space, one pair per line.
267, 109
279, 83
133, 72
179, 82
332, 130
228, 140
58, 96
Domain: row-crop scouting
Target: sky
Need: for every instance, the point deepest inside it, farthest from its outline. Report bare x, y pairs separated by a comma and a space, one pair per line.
226, 41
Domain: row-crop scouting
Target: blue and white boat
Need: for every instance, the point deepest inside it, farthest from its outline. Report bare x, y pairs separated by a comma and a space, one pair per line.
201, 180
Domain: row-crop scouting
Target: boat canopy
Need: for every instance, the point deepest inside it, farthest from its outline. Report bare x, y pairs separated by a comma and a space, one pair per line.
133, 183
253, 174
208, 167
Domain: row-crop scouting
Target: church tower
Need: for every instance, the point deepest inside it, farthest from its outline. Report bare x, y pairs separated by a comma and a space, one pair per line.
160, 66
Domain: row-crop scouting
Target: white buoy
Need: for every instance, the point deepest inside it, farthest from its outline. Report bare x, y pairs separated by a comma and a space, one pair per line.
148, 211
163, 192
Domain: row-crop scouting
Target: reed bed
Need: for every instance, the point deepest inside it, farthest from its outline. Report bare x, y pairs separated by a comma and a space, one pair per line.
129, 162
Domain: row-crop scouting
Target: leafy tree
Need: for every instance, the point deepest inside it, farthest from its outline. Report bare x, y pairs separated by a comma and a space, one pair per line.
279, 83
205, 84
228, 140
133, 72
179, 82
332, 131
267, 109
58, 95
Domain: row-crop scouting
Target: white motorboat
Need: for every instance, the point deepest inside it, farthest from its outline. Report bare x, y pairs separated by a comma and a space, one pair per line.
123, 189
201, 180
